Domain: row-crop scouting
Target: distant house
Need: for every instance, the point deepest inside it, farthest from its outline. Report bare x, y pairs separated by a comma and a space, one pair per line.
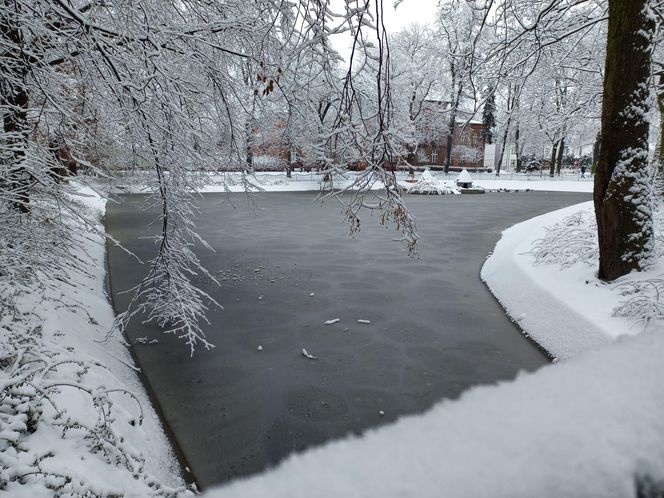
270, 150
431, 134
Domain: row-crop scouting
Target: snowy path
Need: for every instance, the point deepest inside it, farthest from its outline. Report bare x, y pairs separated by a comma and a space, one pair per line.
434, 328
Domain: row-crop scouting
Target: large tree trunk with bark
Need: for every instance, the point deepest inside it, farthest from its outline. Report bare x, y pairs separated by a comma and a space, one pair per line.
622, 183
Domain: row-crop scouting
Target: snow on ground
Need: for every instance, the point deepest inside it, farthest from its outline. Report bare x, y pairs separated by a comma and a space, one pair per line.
566, 311
511, 182
273, 182
531, 184
108, 440
549, 286
589, 425
279, 182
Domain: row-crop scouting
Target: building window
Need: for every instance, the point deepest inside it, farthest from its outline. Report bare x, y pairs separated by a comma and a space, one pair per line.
434, 156
421, 155
476, 140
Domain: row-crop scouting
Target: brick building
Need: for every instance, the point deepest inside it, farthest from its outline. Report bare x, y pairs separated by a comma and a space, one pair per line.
271, 151
431, 134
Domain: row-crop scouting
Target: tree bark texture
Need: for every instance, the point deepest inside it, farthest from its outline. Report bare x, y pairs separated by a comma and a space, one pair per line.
622, 191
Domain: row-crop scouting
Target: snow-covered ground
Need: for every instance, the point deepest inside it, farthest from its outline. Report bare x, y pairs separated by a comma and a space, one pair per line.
562, 305
589, 425
75, 419
279, 182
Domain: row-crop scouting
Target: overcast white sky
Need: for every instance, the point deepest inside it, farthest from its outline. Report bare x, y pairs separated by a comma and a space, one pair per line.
408, 12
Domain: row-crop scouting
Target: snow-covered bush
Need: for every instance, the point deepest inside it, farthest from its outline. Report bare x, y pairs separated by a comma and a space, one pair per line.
571, 241
574, 240
645, 301
428, 185
51, 402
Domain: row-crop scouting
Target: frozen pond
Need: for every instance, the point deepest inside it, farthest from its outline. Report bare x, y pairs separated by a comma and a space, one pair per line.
434, 331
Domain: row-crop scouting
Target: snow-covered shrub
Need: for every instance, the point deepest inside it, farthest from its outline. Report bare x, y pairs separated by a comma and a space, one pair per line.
571, 241
428, 185
39, 381
645, 301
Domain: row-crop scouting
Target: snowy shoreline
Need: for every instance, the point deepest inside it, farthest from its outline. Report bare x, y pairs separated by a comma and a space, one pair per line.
178, 461
302, 182
558, 327
91, 428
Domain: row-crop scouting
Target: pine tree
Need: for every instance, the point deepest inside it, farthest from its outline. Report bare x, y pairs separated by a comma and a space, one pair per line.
488, 116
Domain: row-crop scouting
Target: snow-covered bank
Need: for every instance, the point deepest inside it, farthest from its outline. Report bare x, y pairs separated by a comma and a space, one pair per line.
74, 417
279, 182
556, 296
508, 181
585, 185
591, 425
565, 312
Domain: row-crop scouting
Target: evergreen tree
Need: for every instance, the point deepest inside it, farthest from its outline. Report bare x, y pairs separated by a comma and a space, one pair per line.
489, 116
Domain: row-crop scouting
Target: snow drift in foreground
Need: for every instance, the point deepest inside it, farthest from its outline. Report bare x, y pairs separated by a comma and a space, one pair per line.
591, 425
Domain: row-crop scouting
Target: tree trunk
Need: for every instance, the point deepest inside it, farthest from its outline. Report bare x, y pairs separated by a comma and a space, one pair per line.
502, 146
450, 142
598, 140
552, 163
622, 184
14, 104
249, 136
456, 98
517, 136
559, 159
